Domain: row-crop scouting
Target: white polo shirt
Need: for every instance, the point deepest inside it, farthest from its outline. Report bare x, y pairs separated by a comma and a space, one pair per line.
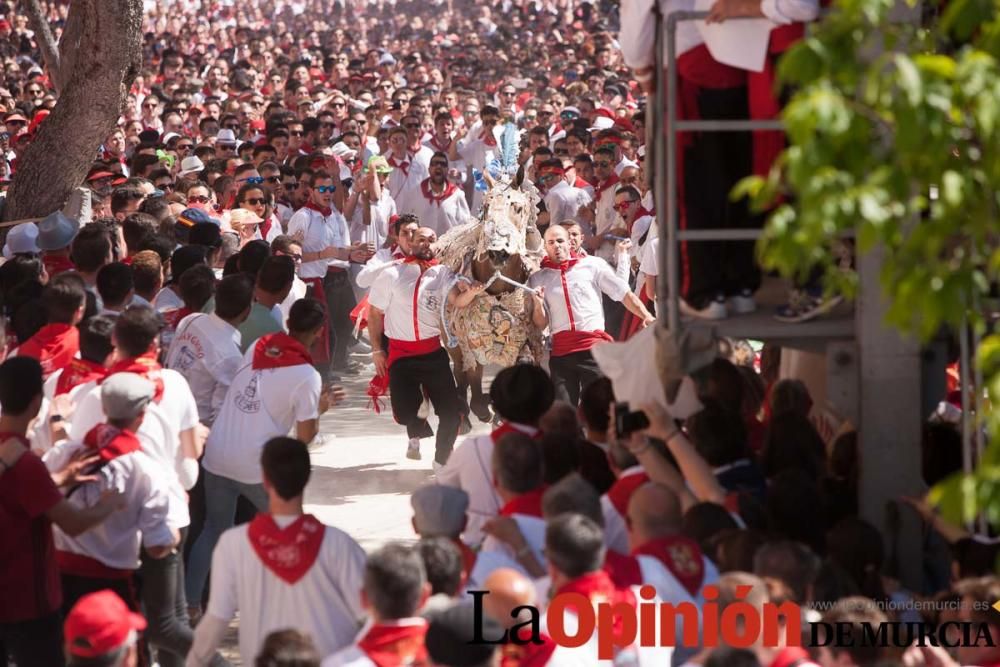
411, 300
260, 405
404, 183
442, 215
563, 202
574, 301
206, 351
319, 233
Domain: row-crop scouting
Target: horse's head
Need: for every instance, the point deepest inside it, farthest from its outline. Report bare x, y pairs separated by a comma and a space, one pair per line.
508, 212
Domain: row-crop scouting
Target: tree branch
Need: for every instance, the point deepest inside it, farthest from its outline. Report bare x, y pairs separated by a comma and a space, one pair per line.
45, 40
69, 43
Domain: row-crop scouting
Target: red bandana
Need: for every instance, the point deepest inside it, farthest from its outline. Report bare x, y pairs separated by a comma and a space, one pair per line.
396, 645
288, 552
279, 350
528, 654
488, 138
424, 263
681, 555
145, 365
111, 441
173, 316
325, 212
56, 264
604, 185
403, 166
54, 345
437, 145
621, 491
79, 371
425, 189
563, 266
529, 504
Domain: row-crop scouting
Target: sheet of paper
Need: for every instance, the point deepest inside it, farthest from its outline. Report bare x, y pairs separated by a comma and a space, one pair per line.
741, 43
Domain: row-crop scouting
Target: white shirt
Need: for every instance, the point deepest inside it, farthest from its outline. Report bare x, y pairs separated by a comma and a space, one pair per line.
584, 309
563, 202
650, 264
393, 294
382, 259
319, 233
325, 602
260, 405
442, 216
637, 36
404, 184
142, 521
299, 291
532, 529
790, 11
381, 211
474, 151
605, 215
423, 157
206, 351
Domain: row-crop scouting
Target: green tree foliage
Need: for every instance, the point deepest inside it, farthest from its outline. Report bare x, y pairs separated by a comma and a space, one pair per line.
894, 135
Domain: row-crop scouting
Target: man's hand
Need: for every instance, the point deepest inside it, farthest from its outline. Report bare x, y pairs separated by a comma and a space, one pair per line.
622, 247
649, 320
505, 529
359, 253
331, 396
381, 362
727, 9
661, 424
73, 472
538, 296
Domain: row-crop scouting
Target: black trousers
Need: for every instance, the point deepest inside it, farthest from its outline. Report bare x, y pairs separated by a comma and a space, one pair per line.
571, 373
340, 302
34, 643
409, 378
713, 163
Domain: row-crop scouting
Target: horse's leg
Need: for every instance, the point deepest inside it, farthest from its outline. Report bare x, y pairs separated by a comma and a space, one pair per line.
480, 403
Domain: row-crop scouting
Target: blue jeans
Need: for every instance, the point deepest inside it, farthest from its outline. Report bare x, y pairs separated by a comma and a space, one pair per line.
221, 496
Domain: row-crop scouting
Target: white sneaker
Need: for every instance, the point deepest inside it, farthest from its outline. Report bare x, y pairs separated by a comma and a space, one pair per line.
424, 411
413, 449
742, 303
715, 310
361, 347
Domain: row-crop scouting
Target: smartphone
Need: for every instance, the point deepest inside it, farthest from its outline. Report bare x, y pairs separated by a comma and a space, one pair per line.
627, 421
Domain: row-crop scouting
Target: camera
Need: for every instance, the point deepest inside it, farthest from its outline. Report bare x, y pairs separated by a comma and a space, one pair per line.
627, 421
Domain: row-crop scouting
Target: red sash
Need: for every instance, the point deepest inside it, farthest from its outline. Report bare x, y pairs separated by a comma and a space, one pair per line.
425, 189
763, 98
401, 349
403, 166
79, 371
529, 504
359, 316
681, 555
529, 654
54, 345
437, 146
488, 138
111, 441
144, 365
631, 325
396, 645
321, 348
621, 491
288, 552
173, 316
56, 264
623, 570
279, 350
568, 342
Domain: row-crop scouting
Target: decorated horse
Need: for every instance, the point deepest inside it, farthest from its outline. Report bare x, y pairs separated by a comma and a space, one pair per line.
500, 250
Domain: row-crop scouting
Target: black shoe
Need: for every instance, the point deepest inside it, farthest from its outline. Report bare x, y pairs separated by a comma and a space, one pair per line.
422, 429
481, 409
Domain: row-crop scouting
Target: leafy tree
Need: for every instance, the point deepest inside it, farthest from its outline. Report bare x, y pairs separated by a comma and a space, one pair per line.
894, 134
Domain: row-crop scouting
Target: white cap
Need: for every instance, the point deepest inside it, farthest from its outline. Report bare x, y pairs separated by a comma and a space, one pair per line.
22, 238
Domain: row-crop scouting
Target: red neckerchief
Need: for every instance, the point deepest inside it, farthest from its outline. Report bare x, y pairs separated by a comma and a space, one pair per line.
528, 504
506, 427
598, 588
111, 441
54, 345
527, 654
639, 214
564, 266
623, 488
488, 138
279, 350
325, 212
403, 166
681, 555
436, 144
173, 316
604, 185
79, 371
425, 189
288, 552
145, 365
424, 263
56, 264
395, 645
580, 183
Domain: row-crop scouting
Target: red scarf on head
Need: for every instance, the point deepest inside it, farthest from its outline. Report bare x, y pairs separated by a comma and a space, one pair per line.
79, 371
145, 365
621, 491
488, 138
288, 552
528, 654
395, 645
54, 345
325, 212
679, 554
403, 166
529, 504
425, 189
279, 350
111, 441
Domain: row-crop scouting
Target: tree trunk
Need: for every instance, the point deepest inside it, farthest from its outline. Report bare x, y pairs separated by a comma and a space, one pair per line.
107, 58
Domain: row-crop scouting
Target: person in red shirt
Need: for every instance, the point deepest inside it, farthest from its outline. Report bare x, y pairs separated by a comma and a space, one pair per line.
57, 343
30, 502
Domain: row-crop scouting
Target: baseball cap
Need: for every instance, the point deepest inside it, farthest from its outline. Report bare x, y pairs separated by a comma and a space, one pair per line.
190, 217
439, 510
126, 395
100, 622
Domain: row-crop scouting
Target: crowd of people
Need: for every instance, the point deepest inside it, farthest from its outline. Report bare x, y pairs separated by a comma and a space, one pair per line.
169, 356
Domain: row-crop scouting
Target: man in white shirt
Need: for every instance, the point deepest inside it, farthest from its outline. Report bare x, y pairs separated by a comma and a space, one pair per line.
480, 145
285, 245
206, 347
519, 480
284, 569
326, 255
407, 174
571, 288
107, 556
395, 588
406, 301
419, 153
562, 200
442, 204
402, 230
276, 390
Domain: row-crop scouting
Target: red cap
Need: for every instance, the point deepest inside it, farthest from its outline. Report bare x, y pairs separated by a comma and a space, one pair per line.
98, 624
100, 173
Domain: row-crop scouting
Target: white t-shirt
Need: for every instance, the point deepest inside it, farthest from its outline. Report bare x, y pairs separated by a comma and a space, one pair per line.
650, 264
442, 216
382, 259
393, 294
404, 184
583, 310
325, 602
563, 202
319, 233
381, 211
260, 405
206, 351
166, 299
299, 291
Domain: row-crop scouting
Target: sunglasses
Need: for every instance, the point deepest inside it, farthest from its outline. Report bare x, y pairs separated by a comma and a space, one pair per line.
328, 125
166, 187
297, 133
412, 126
256, 201
253, 180
273, 179
323, 189
622, 206
508, 93
149, 106
291, 185
185, 147
198, 199
338, 105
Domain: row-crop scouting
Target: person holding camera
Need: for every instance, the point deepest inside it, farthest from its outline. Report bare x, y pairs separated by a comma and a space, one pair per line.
568, 300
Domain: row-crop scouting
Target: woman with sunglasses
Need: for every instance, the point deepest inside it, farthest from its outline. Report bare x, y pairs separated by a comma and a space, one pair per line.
256, 199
